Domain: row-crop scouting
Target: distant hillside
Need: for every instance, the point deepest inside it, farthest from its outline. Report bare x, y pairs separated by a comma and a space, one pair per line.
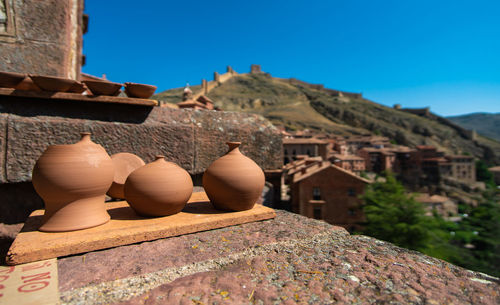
487, 124
298, 105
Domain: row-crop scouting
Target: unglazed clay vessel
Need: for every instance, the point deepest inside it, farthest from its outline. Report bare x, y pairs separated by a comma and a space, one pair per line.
72, 181
102, 87
233, 182
125, 164
159, 188
10, 79
139, 90
27, 84
52, 83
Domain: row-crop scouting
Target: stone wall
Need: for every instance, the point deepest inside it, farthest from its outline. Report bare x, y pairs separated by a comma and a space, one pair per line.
193, 139
42, 37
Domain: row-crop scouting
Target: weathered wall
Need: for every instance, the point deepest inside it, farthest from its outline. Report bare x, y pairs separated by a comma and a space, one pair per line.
193, 139
42, 37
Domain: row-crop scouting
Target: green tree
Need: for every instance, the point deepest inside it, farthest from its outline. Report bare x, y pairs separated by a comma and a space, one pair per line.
483, 173
394, 215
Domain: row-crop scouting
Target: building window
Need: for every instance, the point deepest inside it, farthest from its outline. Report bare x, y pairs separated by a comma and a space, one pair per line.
316, 193
351, 192
317, 212
286, 151
309, 153
351, 212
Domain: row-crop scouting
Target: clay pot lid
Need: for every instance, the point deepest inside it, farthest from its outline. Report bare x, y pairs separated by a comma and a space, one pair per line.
139, 90
10, 79
103, 87
125, 164
52, 83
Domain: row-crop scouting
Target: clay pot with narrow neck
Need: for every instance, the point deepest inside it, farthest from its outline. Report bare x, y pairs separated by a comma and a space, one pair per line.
125, 164
72, 181
233, 182
159, 188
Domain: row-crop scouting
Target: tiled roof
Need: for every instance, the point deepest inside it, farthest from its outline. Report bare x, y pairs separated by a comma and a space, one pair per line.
299, 176
303, 141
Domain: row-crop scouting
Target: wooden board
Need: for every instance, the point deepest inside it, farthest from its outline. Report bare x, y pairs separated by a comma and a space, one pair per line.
77, 97
124, 228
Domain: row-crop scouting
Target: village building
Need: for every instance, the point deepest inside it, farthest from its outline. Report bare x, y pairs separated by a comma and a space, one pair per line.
325, 191
352, 144
496, 174
462, 168
442, 205
312, 147
435, 166
201, 102
351, 163
377, 160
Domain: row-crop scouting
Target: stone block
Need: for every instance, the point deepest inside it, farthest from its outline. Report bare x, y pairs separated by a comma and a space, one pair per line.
261, 141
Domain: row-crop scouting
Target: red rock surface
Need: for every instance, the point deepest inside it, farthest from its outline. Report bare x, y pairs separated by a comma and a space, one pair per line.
290, 259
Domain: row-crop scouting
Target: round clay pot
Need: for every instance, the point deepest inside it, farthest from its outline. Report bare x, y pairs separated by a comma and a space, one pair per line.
10, 79
99, 87
124, 164
72, 181
159, 188
233, 182
52, 83
139, 90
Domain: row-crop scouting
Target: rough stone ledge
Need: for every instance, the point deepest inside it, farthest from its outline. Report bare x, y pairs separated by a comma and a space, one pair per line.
290, 259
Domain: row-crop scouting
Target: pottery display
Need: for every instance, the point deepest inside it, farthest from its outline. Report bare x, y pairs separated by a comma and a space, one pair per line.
10, 79
52, 83
72, 181
124, 164
233, 182
159, 188
102, 87
27, 84
139, 90
77, 87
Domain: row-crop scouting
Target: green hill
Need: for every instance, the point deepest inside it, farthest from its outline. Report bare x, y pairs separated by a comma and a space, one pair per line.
487, 124
298, 105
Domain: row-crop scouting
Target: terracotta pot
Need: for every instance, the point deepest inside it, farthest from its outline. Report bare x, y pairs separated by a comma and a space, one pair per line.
124, 164
159, 188
77, 88
99, 87
52, 83
72, 181
28, 85
10, 79
233, 182
139, 90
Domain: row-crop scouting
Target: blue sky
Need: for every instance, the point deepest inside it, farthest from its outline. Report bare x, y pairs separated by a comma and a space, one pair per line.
442, 54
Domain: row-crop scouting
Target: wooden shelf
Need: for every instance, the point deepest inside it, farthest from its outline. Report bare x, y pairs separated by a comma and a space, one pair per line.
124, 228
64, 96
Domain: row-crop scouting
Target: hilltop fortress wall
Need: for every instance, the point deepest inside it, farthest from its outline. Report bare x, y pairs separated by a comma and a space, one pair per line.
426, 112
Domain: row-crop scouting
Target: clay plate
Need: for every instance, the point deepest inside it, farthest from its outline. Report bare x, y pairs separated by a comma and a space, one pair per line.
77, 88
139, 90
10, 79
99, 87
52, 83
124, 164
